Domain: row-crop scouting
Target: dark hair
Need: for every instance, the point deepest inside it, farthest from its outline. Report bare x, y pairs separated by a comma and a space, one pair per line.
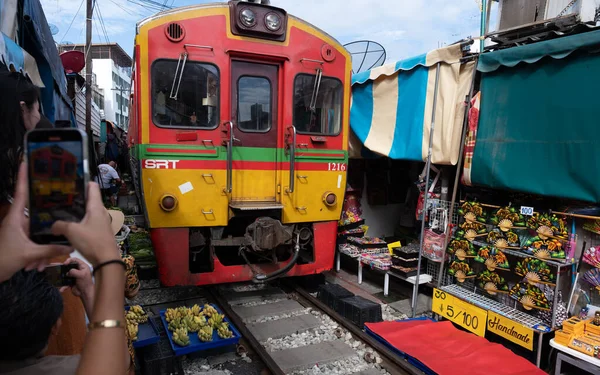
14, 88
29, 308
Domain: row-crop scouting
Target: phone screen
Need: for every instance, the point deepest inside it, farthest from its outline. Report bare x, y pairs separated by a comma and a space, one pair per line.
56, 180
56, 274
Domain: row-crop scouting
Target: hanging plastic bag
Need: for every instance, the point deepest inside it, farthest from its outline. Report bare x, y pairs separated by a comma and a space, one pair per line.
431, 196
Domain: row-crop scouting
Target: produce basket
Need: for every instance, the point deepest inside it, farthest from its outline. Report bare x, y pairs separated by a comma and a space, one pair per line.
148, 333
195, 344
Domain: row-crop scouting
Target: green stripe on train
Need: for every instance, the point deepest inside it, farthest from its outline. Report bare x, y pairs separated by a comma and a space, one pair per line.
239, 153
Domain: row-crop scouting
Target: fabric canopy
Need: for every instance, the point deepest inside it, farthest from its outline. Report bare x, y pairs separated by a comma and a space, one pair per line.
15, 58
538, 122
532, 53
392, 106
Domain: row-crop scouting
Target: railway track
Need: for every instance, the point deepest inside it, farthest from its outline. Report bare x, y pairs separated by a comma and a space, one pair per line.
295, 333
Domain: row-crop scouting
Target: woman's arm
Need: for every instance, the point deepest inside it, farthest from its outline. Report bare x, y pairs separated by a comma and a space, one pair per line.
95, 241
104, 346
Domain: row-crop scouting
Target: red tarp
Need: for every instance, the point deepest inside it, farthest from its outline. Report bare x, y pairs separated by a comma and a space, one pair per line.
449, 351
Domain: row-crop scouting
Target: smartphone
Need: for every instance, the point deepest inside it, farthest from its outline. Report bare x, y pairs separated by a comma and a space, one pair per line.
58, 173
56, 274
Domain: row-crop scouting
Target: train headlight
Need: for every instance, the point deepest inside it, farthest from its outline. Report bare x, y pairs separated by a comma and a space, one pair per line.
330, 199
248, 17
168, 202
273, 22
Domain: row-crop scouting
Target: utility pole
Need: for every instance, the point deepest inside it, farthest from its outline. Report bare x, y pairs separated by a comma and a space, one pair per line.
88, 69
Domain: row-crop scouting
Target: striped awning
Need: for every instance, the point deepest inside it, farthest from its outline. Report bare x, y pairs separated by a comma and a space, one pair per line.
18, 60
392, 106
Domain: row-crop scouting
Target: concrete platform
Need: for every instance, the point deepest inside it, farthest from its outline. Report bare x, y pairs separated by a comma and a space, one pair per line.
284, 327
251, 313
306, 357
239, 298
423, 305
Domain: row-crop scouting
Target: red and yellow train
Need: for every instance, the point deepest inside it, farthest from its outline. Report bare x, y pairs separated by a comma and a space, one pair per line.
53, 172
238, 141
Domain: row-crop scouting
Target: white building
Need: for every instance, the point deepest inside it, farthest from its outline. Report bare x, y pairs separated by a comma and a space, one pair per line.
112, 70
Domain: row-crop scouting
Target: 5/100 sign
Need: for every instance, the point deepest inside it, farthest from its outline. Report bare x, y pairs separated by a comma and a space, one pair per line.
459, 312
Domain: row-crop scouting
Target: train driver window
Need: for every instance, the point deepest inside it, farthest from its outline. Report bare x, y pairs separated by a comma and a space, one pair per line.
326, 116
254, 104
196, 104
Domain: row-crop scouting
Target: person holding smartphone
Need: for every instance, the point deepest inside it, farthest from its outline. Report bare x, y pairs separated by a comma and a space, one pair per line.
25, 333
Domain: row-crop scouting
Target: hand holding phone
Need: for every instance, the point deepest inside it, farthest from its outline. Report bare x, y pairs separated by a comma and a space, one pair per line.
58, 177
57, 274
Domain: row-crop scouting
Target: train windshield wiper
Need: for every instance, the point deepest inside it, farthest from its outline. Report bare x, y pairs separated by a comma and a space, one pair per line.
315, 93
177, 80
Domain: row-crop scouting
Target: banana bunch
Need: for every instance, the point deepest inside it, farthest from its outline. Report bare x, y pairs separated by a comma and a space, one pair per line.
172, 314
223, 331
205, 333
180, 337
132, 330
215, 320
138, 314
191, 324
209, 311
195, 310
176, 324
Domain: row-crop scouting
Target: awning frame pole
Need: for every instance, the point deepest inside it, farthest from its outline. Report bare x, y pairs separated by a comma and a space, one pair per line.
459, 166
415, 293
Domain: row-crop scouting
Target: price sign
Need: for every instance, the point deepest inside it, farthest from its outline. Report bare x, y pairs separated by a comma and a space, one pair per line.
510, 330
526, 211
460, 312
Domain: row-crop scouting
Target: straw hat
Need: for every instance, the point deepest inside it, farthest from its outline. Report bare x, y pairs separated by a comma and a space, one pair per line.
117, 219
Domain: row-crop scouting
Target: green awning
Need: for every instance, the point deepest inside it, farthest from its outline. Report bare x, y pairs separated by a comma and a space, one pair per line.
532, 53
539, 123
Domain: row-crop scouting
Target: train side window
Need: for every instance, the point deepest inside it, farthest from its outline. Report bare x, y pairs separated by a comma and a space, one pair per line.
326, 118
254, 104
197, 101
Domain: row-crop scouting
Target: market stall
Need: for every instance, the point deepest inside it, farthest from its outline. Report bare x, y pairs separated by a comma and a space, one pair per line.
511, 268
414, 110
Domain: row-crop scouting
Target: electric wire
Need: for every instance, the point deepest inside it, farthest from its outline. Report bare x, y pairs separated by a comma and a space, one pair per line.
73, 20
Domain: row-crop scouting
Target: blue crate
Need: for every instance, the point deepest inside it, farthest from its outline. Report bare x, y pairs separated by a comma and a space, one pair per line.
147, 333
412, 360
195, 344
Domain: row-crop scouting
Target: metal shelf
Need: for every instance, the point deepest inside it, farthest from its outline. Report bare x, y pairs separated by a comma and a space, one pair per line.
520, 254
491, 305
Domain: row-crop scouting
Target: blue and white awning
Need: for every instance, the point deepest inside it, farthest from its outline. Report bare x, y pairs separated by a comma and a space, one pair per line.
17, 59
392, 106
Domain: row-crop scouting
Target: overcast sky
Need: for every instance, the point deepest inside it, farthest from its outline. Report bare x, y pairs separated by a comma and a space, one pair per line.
404, 27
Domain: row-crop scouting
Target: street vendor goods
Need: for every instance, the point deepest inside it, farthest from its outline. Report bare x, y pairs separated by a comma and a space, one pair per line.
492, 258
180, 337
530, 296
535, 271
507, 218
461, 249
544, 249
461, 271
592, 257
492, 283
548, 226
473, 211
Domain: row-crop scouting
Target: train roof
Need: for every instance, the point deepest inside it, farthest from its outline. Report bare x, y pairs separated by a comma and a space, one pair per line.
217, 5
